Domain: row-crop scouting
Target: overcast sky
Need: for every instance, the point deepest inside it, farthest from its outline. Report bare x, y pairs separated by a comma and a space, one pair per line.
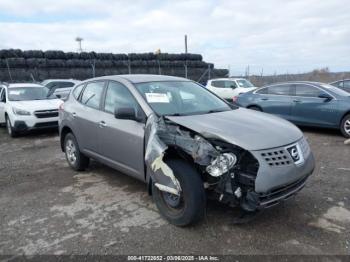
278, 36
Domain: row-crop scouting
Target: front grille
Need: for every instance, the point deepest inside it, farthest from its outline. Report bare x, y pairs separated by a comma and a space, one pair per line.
281, 156
276, 157
281, 193
46, 113
46, 124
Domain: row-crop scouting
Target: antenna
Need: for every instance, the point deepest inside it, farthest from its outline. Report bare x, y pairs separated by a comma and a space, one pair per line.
79, 40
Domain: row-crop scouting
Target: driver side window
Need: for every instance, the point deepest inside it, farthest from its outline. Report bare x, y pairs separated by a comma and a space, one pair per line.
118, 96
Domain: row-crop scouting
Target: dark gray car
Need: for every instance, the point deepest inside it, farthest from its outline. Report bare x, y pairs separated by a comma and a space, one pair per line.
342, 84
185, 143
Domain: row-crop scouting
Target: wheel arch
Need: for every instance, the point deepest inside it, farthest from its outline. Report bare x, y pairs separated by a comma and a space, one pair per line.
255, 105
344, 115
64, 131
171, 153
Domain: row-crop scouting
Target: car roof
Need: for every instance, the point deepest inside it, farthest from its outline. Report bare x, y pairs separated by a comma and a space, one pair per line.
228, 78
57, 79
141, 78
295, 82
340, 80
24, 85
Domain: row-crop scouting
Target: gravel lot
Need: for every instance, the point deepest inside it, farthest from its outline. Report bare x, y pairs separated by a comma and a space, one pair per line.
46, 208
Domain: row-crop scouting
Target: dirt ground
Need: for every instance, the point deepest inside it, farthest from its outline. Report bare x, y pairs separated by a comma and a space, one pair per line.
46, 208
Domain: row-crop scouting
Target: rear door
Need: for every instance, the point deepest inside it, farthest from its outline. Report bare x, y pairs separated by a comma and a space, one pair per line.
276, 99
121, 141
309, 109
87, 116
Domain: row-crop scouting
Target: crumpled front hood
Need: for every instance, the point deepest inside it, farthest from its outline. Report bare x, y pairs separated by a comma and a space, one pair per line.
248, 129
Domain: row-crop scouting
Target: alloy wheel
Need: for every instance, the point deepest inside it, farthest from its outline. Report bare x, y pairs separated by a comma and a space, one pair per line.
347, 126
8, 125
71, 152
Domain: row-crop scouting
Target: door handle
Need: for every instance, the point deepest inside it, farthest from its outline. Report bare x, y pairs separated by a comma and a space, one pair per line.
102, 124
264, 99
296, 101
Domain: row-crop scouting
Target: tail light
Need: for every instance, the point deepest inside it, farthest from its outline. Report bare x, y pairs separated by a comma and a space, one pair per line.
234, 99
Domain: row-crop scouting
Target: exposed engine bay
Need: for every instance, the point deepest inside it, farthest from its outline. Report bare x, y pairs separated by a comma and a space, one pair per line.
228, 171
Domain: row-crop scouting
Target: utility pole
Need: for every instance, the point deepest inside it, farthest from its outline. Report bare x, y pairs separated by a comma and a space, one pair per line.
186, 73
79, 40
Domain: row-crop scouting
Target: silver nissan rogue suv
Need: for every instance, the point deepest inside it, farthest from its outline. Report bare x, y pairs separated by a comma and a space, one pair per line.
186, 143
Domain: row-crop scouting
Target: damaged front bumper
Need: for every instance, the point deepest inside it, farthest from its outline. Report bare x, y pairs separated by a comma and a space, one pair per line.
279, 176
259, 179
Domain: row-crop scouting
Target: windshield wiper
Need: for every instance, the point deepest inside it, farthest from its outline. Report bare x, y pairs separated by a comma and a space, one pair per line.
215, 111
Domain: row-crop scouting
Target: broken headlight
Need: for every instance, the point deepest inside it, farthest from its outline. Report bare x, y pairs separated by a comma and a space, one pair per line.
221, 164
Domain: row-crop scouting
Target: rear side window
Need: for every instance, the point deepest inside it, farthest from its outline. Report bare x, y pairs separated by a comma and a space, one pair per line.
218, 84
280, 90
224, 84
76, 92
118, 96
307, 91
65, 84
92, 94
276, 90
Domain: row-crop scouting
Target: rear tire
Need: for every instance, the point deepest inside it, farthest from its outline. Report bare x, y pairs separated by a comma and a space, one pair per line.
345, 126
10, 130
189, 207
76, 160
256, 108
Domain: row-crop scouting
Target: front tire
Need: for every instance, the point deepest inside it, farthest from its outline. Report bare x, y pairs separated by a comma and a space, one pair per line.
189, 207
76, 160
10, 130
345, 126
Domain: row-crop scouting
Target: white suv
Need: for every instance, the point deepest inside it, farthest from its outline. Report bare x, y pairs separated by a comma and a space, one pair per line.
229, 88
24, 107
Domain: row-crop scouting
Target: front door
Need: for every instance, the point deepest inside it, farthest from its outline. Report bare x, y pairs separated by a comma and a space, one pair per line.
309, 109
121, 141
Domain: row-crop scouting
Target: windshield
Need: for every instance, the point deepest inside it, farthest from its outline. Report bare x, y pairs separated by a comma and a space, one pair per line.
180, 98
335, 90
28, 93
44, 83
244, 83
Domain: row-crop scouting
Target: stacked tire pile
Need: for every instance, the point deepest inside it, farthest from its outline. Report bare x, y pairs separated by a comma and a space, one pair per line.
17, 65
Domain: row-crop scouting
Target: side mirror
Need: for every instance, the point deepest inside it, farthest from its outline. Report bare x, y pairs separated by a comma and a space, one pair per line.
233, 86
58, 96
326, 97
126, 113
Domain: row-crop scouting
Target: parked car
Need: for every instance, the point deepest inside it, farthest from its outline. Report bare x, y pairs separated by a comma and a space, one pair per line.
229, 88
25, 107
303, 103
342, 84
185, 143
60, 87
